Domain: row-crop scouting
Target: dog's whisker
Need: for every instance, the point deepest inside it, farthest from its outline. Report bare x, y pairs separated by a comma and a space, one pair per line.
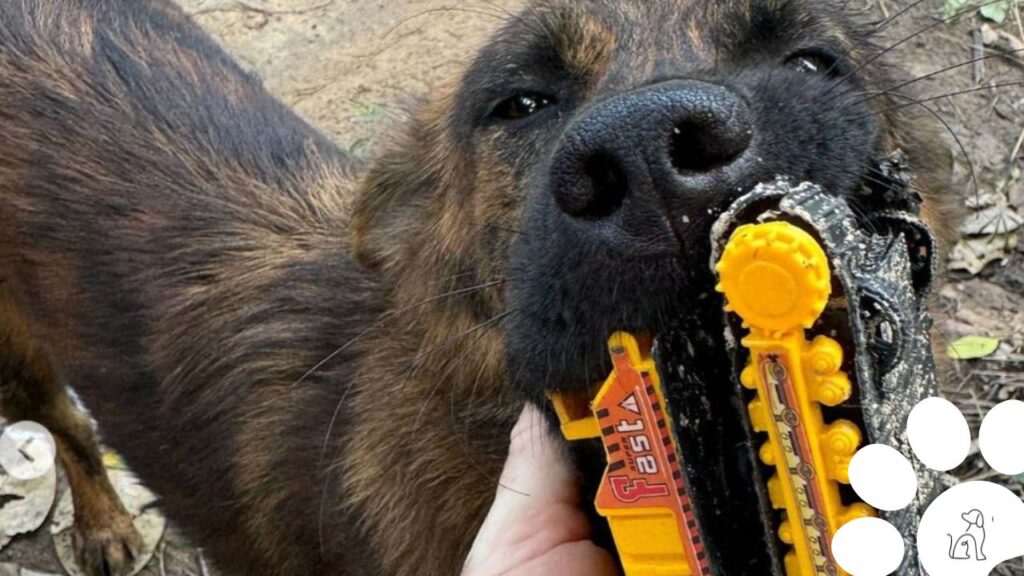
998, 55
945, 124
874, 58
454, 419
885, 23
462, 438
517, 18
963, 92
384, 318
411, 372
423, 356
443, 9
865, 176
875, 94
513, 231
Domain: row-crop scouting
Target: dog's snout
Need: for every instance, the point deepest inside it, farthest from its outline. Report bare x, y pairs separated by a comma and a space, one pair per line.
650, 147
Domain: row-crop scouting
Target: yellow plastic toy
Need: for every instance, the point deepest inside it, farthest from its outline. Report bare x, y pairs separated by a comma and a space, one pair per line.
643, 493
776, 277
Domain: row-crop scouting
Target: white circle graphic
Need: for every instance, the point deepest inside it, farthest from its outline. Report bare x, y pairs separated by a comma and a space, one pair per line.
1000, 438
939, 434
868, 547
970, 529
27, 450
883, 477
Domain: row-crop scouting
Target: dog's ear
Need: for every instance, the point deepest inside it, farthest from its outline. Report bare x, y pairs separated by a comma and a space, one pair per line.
974, 517
404, 186
393, 195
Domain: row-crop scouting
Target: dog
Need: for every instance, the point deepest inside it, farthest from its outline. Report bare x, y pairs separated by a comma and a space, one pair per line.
316, 364
970, 544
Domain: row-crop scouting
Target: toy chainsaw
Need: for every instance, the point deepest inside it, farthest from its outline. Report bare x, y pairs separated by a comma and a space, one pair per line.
728, 450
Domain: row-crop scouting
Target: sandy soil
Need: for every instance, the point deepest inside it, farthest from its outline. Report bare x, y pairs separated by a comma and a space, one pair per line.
352, 67
355, 67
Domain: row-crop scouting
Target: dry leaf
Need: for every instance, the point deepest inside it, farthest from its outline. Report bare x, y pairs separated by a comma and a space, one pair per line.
25, 504
1000, 219
983, 200
974, 254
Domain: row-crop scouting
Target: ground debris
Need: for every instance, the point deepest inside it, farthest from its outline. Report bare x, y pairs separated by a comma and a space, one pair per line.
137, 499
990, 232
24, 504
1003, 41
973, 255
15, 570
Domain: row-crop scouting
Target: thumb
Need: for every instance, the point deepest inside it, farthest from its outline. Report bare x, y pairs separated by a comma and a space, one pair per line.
535, 520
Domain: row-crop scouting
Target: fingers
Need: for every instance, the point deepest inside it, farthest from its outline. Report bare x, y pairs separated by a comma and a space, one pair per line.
572, 559
538, 467
535, 520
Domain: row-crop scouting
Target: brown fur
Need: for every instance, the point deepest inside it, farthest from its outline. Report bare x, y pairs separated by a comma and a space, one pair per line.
313, 384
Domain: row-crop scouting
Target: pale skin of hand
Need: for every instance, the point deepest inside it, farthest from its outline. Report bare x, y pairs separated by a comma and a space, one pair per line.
536, 526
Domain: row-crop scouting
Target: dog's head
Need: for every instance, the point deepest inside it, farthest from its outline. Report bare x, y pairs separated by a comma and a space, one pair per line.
974, 518
567, 185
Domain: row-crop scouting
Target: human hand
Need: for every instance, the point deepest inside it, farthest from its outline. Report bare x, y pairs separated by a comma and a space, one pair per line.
535, 526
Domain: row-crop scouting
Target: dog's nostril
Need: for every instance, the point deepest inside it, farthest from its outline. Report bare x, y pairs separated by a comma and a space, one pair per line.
687, 148
705, 144
600, 190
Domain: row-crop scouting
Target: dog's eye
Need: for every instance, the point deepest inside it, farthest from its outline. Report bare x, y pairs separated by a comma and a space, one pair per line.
815, 61
521, 105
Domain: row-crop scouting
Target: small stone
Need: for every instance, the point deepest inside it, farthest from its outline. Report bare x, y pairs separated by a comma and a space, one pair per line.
255, 20
1016, 194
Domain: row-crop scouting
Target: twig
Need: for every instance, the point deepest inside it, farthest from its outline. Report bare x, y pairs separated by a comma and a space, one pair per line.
1016, 147
978, 54
203, 570
1007, 52
163, 547
239, 6
883, 8
1016, 15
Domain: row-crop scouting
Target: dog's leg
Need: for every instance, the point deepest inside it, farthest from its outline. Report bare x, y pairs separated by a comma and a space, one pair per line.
105, 539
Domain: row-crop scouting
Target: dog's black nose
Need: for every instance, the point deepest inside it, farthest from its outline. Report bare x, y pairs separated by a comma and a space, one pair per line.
663, 147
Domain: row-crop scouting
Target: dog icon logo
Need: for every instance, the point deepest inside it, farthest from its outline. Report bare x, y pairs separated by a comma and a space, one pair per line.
971, 544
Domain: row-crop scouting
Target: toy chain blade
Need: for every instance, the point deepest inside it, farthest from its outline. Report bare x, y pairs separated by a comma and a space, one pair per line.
729, 439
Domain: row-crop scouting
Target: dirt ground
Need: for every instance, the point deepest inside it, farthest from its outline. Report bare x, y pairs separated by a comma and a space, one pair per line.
354, 68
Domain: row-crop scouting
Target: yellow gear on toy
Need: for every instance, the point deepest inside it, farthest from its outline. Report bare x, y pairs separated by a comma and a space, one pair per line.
776, 277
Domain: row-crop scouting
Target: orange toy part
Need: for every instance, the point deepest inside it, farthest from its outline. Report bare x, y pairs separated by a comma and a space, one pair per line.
643, 492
